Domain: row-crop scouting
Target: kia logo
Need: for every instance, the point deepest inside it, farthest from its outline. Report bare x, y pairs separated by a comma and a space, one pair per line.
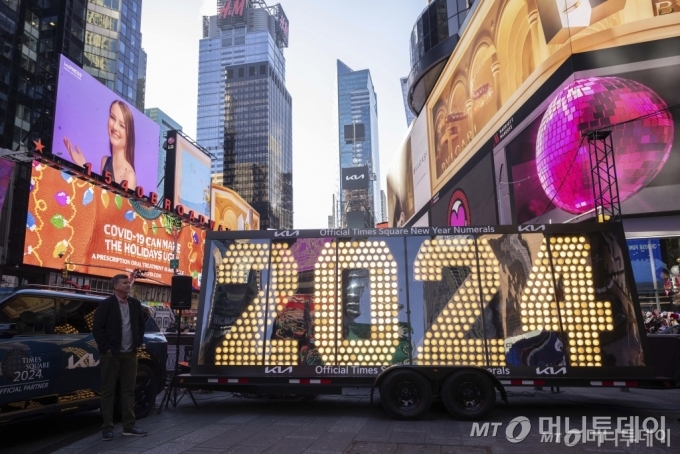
354, 177
287, 233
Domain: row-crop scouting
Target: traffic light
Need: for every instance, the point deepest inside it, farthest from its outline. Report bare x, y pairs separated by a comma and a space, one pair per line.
64, 274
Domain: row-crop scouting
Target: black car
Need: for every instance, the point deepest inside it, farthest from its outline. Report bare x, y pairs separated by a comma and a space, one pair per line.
49, 359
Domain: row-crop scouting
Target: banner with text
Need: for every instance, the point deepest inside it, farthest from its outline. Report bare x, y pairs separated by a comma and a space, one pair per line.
98, 232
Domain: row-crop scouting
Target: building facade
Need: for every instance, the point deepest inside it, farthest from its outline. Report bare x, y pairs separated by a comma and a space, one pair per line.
244, 108
358, 147
113, 47
404, 93
167, 124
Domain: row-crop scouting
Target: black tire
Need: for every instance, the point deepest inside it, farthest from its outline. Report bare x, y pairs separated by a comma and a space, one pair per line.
145, 390
468, 395
406, 395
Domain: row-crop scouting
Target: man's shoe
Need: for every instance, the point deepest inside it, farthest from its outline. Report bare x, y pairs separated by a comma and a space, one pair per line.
107, 435
134, 432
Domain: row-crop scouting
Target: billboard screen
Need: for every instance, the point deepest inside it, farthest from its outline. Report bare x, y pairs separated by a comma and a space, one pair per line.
230, 211
187, 175
355, 177
94, 125
486, 78
400, 203
102, 233
549, 163
469, 201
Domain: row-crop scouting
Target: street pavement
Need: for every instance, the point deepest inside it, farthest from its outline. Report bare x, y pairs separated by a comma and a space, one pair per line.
349, 424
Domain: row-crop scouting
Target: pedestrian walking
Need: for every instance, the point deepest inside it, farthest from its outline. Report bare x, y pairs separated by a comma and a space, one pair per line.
119, 331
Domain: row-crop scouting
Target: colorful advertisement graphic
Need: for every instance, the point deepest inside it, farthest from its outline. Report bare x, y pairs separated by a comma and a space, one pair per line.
187, 177
94, 125
230, 211
102, 233
502, 59
548, 161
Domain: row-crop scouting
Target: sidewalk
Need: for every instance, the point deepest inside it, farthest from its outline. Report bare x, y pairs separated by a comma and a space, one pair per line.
349, 424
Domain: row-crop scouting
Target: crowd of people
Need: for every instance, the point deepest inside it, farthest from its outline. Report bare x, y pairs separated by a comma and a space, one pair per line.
657, 322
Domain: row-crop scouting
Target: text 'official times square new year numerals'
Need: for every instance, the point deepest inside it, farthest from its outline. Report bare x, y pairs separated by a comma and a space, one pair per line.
447, 341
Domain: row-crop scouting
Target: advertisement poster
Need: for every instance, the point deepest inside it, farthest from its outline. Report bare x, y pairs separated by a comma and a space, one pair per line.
645, 259
549, 162
94, 125
503, 58
102, 233
187, 178
420, 163
230, 211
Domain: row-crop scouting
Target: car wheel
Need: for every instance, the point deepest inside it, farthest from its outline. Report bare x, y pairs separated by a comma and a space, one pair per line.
468, 395
145, 391
406, 395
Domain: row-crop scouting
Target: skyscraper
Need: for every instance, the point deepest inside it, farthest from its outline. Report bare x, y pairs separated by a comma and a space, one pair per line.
359, 192
244, 108
167, 124
113, 46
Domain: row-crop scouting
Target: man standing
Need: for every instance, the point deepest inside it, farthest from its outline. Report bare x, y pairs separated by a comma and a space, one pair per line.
119, 331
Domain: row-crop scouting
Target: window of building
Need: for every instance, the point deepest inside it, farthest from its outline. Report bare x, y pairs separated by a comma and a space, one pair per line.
124, 11
240, 72
134, 7
134, 24
132, 40
230, 73
123, 29
263, 69
251, 71
121, 67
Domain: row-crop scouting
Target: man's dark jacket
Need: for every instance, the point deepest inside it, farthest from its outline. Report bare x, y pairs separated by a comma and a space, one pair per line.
108, 324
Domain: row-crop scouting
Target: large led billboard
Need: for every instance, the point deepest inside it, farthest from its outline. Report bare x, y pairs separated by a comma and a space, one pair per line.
408, 180
187, 174
503, 59
548, 160
230, 211
95, 231
94, 125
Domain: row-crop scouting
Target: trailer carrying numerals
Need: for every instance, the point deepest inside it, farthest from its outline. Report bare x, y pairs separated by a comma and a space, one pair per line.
454, 312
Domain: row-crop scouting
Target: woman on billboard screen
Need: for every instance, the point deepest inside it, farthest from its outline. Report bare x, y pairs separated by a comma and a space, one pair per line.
121, 129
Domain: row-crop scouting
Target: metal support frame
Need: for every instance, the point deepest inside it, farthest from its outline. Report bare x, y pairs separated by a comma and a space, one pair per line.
603, 173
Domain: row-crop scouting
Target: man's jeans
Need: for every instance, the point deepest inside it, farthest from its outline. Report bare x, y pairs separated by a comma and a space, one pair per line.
117, 366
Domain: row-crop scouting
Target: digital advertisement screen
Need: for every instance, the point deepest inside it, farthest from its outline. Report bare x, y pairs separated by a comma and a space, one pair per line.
94, 125
6, 168
549, 162
400, 203
102, 233
230, 211
469, 201
502, 60
187, 175
408, 180
355, 177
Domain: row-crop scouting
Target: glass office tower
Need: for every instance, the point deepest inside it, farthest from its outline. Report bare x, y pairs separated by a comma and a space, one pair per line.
358, 148
244, 108
113, 46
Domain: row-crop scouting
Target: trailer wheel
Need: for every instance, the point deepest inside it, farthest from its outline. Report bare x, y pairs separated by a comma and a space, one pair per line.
406, 395
468, 395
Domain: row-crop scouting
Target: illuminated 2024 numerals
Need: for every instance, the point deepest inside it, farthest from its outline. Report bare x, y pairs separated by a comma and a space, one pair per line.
243, 344
447, 341
375, 257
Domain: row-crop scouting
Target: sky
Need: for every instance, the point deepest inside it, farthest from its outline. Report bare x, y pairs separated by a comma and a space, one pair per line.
371, 34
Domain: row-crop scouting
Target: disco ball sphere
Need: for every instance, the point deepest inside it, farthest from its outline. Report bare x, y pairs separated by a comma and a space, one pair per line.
641, 147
